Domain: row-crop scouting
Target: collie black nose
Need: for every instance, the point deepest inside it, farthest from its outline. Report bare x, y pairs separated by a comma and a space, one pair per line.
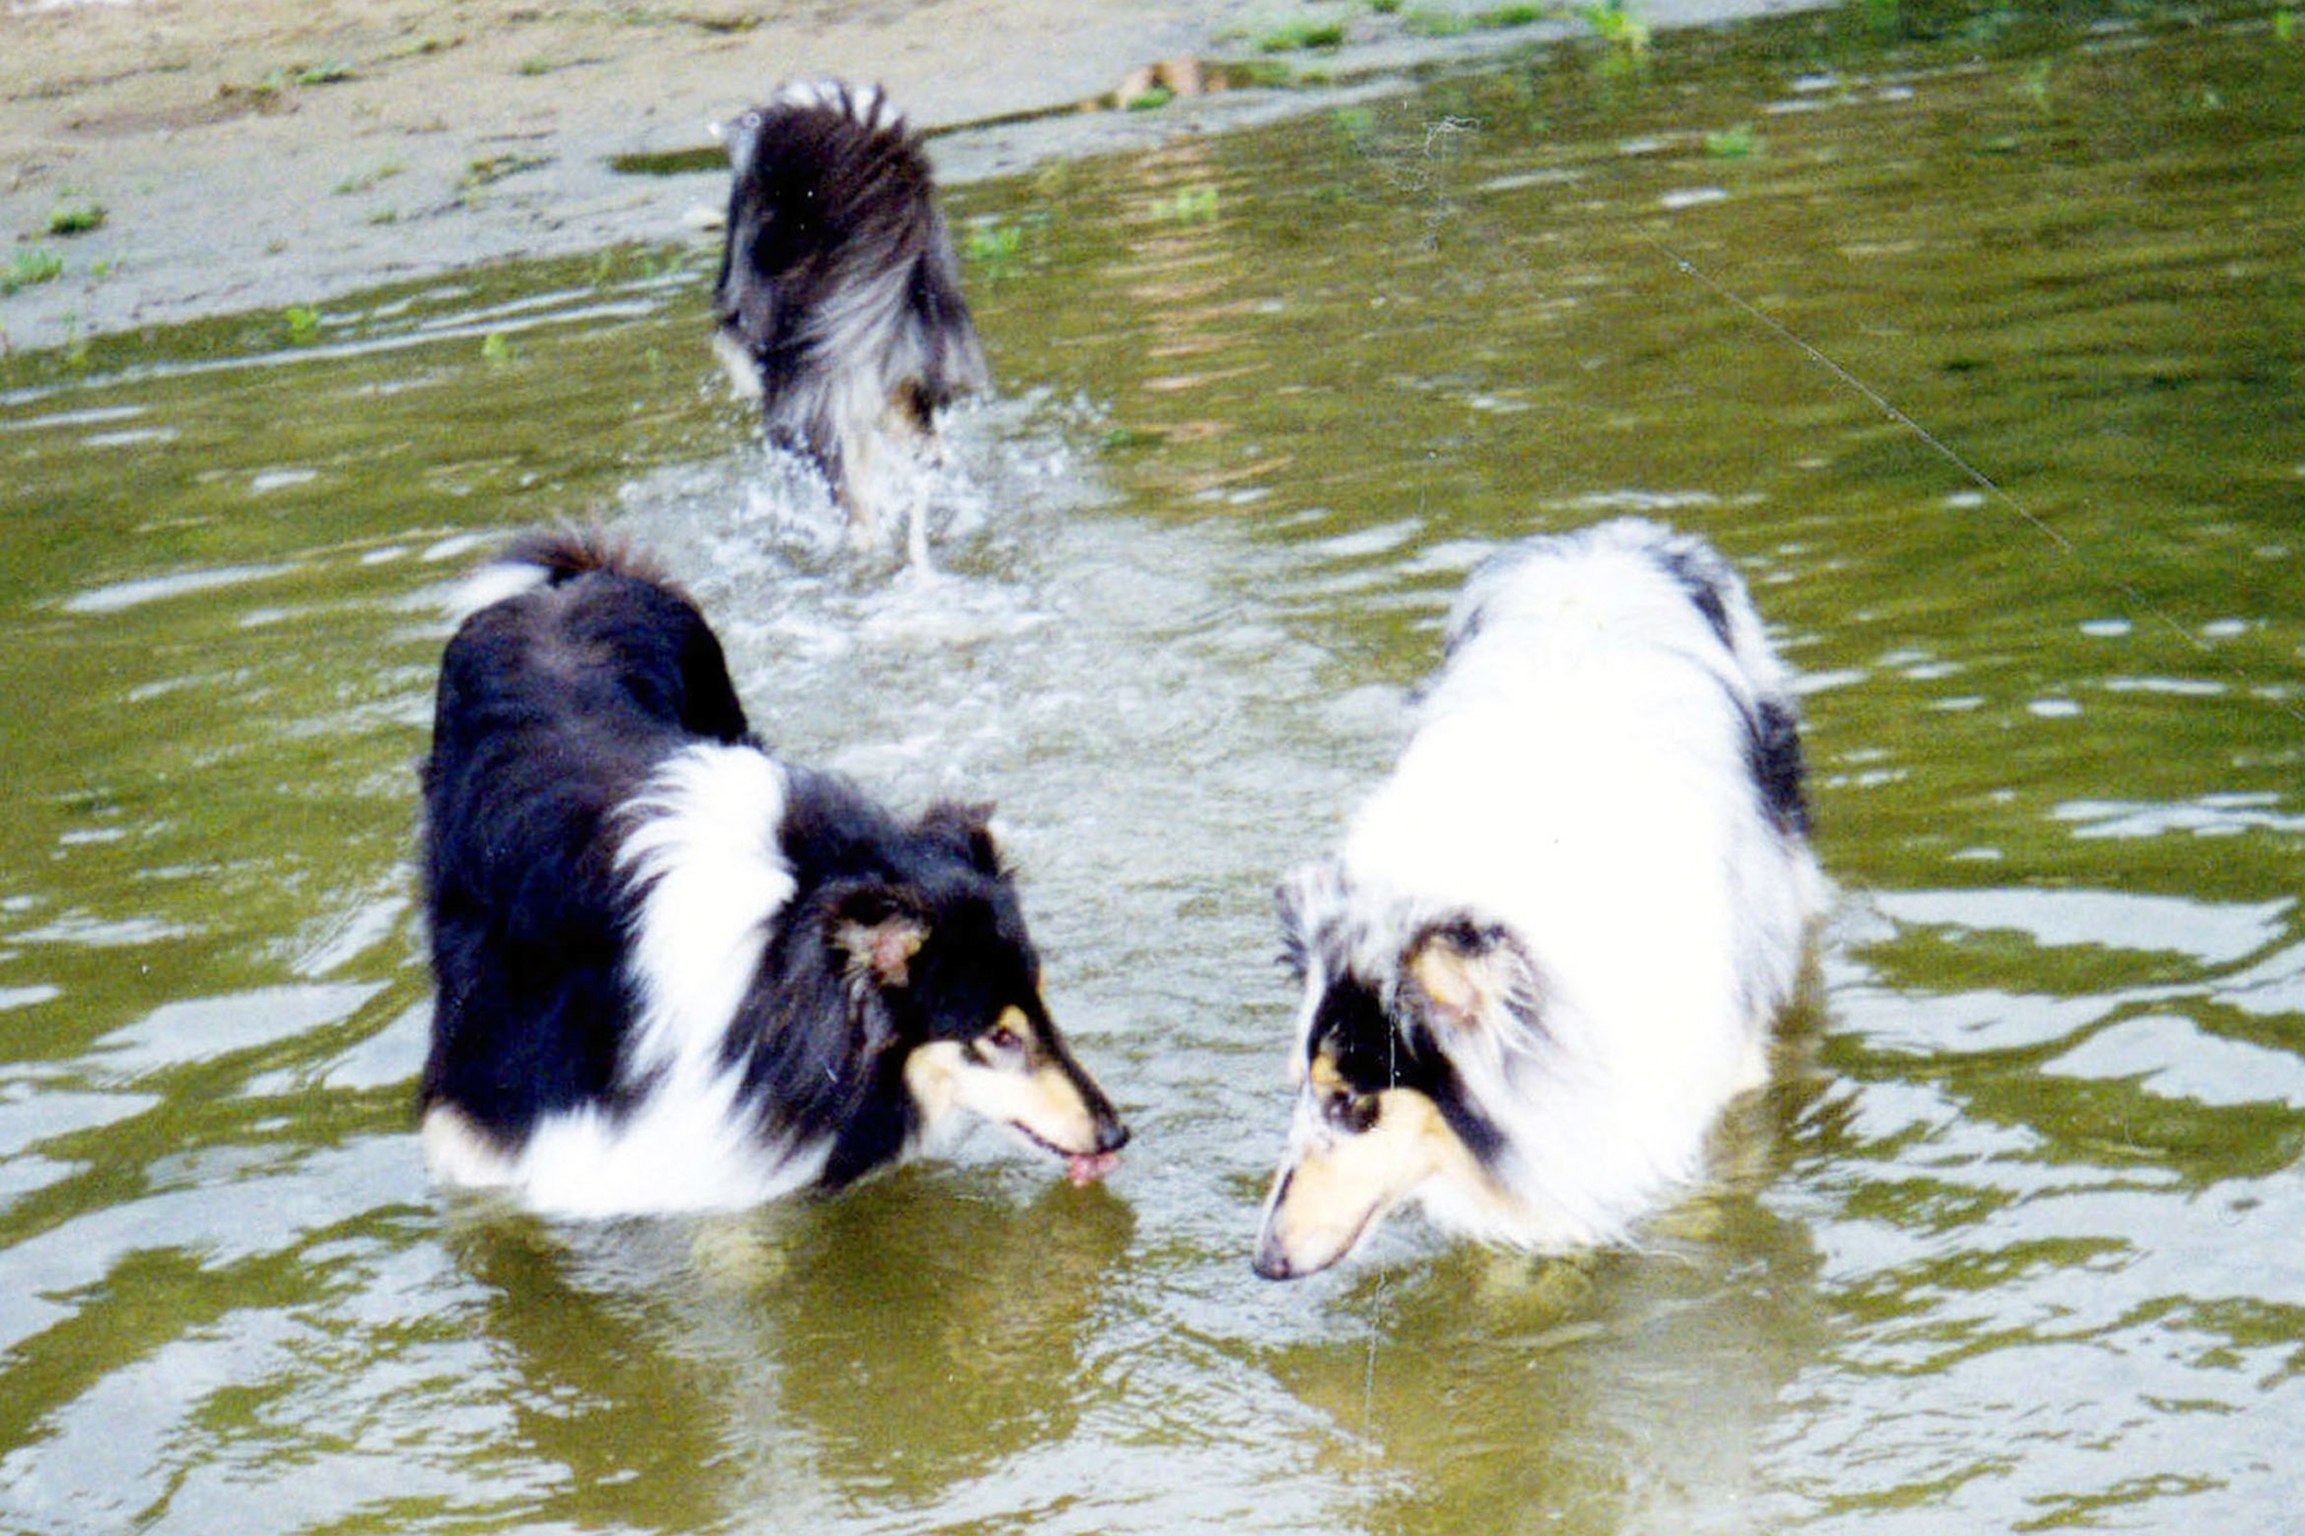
1111, 1135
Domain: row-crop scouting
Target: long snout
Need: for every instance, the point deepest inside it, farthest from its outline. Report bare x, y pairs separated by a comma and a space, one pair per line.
1334, 1185
1315, 1214
1041, 1094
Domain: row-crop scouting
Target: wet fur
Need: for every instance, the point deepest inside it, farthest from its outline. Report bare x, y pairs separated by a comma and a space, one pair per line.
674, 971
839, 302
1551, 948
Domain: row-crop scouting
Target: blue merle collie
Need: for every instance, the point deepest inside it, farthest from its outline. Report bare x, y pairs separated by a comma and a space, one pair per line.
1552, 946
676, 972
838, 302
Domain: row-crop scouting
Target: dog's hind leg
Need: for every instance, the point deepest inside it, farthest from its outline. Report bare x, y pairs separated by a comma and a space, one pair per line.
915, 449
864, 528
859, 490
916, 527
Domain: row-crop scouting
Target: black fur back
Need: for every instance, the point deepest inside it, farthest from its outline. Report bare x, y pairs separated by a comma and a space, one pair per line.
552, 708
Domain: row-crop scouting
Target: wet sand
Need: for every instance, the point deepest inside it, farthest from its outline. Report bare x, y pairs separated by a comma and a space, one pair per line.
258, 154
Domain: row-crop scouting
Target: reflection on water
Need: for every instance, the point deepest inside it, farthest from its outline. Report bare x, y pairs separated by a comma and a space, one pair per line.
2010, 1245
733, 1345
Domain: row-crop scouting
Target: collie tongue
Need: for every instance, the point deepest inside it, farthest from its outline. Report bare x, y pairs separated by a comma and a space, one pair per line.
1084, 1168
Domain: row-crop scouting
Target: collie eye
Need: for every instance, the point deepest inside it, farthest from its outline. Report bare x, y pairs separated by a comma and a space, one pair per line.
1003, 1037
1352, 1113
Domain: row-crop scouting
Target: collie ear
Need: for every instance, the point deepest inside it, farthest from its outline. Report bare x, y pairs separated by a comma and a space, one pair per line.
1289, 902
1307, 901
877, 933
968, 825
1466, 972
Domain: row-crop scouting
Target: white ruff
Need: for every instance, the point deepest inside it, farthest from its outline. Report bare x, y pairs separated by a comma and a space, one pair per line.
703, 851
1579, 772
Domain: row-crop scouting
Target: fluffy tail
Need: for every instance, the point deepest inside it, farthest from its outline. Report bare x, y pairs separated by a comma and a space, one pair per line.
564, 554
549, 557
839, 293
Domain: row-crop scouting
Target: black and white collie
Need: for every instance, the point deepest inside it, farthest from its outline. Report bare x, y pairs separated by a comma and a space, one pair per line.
839, 301
675, 972
1553, 944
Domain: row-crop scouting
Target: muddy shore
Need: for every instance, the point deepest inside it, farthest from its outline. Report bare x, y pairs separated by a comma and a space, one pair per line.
259, 154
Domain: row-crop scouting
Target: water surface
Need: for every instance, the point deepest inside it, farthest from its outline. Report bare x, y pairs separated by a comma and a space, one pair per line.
2010, 1245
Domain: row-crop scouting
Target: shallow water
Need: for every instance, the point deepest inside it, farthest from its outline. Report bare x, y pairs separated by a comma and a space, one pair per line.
2012, 1244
